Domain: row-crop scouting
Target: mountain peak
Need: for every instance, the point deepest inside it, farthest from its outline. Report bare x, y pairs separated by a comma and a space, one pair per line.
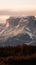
15, 26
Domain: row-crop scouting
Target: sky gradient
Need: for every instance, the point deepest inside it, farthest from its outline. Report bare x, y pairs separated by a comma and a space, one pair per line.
13, 4
13, 7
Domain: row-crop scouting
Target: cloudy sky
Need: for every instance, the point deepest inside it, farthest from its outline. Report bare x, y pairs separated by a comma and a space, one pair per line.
18, 7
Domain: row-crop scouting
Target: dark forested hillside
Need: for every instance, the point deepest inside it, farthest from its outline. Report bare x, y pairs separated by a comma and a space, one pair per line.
15, 54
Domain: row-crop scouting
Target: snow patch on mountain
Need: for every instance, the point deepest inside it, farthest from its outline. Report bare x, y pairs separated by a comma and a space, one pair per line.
18, 25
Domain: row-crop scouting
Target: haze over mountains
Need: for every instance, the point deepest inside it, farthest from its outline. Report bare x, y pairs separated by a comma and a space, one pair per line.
18, 30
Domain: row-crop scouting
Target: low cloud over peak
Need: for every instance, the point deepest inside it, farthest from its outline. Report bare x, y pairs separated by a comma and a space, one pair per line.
17, 13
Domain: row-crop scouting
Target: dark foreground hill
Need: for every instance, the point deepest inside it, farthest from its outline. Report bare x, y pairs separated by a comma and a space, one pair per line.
21, 54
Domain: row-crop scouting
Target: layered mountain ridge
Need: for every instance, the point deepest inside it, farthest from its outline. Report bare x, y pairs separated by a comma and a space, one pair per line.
18, 30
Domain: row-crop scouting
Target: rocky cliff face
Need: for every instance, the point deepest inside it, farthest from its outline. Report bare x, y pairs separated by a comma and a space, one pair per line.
19, 26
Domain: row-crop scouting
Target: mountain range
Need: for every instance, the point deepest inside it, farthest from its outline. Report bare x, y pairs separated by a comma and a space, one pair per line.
18, 31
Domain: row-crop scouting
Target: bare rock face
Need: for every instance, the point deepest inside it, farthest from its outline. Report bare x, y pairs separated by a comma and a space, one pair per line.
32, 25
13, 21
18, 26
